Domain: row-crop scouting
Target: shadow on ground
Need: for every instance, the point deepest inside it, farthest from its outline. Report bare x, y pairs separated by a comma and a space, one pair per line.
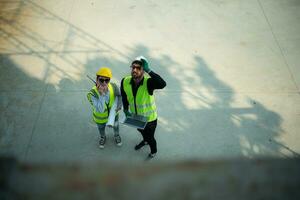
41, 119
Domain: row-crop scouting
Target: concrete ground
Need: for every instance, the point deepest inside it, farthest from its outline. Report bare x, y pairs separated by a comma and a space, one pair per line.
231, 69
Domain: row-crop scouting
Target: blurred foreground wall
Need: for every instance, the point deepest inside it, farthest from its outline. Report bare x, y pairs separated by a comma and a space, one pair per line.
227, 179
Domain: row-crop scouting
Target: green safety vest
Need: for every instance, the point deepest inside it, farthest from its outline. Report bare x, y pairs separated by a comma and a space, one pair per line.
143, 104
101, 117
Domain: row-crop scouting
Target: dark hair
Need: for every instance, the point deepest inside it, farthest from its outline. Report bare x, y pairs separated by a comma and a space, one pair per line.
137, 62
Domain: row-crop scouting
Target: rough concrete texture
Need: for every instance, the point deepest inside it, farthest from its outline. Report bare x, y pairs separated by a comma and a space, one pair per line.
230, 66
231, 69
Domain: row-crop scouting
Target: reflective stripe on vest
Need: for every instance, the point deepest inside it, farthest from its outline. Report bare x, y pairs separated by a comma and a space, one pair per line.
102, 117
143, 102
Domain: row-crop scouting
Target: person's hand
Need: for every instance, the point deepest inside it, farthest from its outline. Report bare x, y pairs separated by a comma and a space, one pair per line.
127, 113
146, 66
101, 88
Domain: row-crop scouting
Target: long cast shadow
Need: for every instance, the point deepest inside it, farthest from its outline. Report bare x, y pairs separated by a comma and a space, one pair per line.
203, 113
195, 109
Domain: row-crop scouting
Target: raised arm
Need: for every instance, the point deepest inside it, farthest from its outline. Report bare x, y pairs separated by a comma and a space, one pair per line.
155, 82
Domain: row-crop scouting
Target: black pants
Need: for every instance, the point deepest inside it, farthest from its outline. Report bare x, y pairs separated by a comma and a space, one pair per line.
148, 135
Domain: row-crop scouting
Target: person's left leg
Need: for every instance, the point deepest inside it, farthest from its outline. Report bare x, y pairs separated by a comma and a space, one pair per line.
116, 131
143, 142
101, 128
148, 134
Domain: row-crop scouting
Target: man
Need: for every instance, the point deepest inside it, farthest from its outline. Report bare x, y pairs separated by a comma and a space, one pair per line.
137, 96
102, 97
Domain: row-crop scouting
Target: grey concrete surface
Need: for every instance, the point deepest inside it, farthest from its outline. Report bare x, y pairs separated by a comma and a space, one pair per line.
231, 69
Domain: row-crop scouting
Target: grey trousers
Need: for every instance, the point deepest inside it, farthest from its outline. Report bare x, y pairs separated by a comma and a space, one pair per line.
101, 127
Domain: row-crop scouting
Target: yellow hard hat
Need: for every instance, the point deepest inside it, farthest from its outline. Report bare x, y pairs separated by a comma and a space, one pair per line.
104, 71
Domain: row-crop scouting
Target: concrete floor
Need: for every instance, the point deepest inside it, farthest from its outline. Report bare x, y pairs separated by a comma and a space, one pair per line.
231, 69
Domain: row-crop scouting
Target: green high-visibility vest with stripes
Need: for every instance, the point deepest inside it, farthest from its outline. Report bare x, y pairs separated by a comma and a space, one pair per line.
144, 103
102, 117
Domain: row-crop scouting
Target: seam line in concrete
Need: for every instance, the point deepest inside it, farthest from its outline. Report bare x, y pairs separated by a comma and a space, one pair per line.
281, 51
43, 99
81, 30
68, 19
35, 123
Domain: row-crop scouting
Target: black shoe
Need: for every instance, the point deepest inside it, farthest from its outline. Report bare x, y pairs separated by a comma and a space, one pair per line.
140, 145
118, 140
102, 142
151, 155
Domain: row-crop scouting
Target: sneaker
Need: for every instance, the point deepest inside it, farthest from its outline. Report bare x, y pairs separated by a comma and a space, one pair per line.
151, 155
102, 142
118, 140
140, 145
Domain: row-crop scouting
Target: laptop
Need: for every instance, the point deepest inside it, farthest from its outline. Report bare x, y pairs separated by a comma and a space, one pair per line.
136, 121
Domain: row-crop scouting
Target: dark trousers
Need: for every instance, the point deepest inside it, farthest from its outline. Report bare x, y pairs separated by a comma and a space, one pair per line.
148, 135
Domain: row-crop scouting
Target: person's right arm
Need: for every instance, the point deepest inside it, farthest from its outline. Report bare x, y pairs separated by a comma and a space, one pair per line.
92, 95
155, 82
89, 96
124, 97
